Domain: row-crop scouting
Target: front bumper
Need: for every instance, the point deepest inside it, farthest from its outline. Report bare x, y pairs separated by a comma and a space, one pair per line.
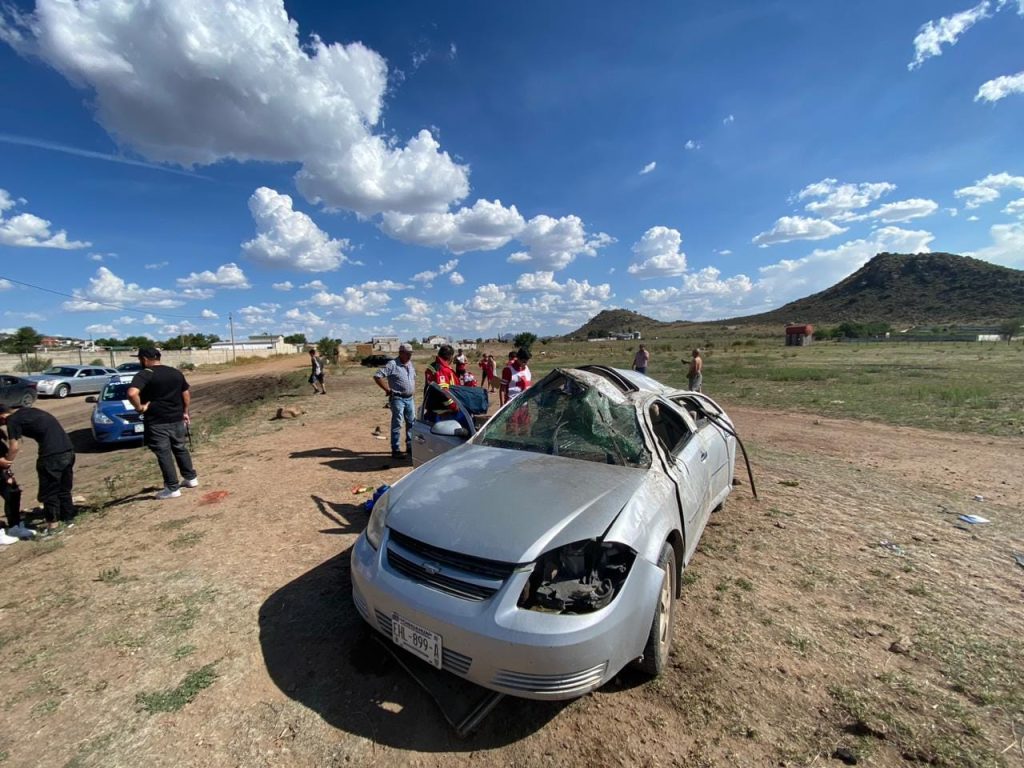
118, 432
499, 646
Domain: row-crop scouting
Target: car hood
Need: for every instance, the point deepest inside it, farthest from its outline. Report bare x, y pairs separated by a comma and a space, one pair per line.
509, 505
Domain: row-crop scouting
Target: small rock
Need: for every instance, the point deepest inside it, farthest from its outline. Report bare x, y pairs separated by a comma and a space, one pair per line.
897, 647
846, 755
979, 497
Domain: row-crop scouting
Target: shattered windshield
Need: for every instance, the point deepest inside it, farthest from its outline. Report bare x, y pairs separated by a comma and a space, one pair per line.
561, 416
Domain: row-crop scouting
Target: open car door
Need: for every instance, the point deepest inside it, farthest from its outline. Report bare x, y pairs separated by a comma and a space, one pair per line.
445, 420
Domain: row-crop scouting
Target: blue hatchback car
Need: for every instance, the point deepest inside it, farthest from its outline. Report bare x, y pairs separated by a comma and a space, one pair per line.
113, 419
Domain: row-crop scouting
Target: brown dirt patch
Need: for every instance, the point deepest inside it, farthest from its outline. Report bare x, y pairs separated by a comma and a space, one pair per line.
784, 649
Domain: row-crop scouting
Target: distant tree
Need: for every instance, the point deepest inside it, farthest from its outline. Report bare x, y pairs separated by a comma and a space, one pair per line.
479, 339
1011, 328
134, 342
175, 342
97, 361
295, 338
524, 339
328, 348
23, 341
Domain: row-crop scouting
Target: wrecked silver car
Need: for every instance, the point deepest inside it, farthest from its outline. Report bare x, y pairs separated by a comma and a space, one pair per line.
544, 554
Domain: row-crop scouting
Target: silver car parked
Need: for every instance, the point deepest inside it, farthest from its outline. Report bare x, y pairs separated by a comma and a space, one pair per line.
64, 380
545, 553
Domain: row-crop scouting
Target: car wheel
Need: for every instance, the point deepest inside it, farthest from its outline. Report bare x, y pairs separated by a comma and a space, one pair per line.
659, 641
63, 391
27, 399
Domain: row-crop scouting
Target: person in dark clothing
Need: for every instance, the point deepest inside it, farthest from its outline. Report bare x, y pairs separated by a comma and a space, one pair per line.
55, 464
10, 492
162, 395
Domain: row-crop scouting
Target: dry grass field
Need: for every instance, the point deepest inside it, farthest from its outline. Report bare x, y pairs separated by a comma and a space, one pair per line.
847, 611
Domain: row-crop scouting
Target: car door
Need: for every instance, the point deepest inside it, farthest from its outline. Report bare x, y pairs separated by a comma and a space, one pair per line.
685, 458
719, 443
439, 426
7, 390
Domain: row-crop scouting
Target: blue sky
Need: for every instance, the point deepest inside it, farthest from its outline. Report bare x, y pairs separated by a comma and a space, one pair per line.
473, 169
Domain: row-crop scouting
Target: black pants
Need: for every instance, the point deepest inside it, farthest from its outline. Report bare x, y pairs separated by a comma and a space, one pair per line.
11, 494
167, 441
56, 478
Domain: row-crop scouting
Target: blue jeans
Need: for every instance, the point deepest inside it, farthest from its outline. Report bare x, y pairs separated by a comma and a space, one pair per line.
401, 410
167, 441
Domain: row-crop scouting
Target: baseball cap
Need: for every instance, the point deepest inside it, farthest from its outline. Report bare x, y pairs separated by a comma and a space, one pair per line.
150, 353
405, 347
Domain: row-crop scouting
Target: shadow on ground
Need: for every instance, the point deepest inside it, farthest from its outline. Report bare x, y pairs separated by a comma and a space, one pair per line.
320, 653
83, 442
345, 460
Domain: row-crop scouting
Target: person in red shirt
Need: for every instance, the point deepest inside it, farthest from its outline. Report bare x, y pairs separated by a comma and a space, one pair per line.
440, 371
506, 377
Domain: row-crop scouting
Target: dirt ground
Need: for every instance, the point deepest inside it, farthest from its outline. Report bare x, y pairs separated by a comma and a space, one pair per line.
846, 608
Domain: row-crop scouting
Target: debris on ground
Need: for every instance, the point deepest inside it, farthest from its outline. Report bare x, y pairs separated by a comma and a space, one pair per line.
845, 755
974, 519
213, 497
1019, 558
892, 546
979, 497
361, 489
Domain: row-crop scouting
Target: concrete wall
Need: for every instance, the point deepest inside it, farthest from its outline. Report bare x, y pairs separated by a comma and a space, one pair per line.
8, 363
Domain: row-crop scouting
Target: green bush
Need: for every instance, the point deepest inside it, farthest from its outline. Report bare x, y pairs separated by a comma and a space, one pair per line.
186, 366
34, 363
97, 361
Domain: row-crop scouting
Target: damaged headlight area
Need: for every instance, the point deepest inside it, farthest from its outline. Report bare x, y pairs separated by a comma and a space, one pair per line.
581, 577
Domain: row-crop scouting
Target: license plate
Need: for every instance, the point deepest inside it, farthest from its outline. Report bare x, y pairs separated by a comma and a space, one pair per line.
139, 427
419, 641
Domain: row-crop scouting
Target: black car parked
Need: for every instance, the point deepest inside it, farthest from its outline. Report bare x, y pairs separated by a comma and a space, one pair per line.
15, 390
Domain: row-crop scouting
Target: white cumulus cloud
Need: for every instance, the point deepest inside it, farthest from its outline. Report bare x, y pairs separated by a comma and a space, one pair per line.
26, 230
456, 278
839, 201
195, 83
1007, 247
351, 301
483, 227
107, 290
904, 210
648, 168
988, 189
285, 286
1000, 87
692, 144
208, 314
227, 276
1015, 207
659, 254
289, 238
555, 243
945, 31
789, 228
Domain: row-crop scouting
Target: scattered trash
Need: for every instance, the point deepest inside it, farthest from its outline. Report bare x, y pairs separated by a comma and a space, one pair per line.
979, 497
1019, 558
361, 489
974, 519
368, 504
378, 434
790, 483
892, 546
213, 497
845, 755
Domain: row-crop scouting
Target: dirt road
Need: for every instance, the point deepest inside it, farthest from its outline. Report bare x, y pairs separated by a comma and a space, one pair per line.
844, 609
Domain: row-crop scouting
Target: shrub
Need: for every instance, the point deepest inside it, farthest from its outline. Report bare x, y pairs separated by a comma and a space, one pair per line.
186, 366
97, 361
34, 363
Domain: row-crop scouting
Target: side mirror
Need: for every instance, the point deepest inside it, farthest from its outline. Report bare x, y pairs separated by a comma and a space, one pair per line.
92, 399
449, 428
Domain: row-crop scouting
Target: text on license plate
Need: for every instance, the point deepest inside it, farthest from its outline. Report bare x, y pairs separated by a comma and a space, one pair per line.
139, 427
422, 642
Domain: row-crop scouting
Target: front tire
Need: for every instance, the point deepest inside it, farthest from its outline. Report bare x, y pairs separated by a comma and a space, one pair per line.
63, 391
659, 641
27, 399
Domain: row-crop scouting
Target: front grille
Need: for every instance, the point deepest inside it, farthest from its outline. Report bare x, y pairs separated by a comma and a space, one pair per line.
573, 682
447, 584
132, 417
451, 661
478, 566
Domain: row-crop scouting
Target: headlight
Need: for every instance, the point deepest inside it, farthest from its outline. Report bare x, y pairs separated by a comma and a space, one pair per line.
48, 384
581, 577
378, 520
101, 418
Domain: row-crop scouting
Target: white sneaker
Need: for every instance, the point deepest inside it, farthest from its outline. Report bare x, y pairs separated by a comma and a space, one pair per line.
167, 493
5, 539
193, 483
21, 531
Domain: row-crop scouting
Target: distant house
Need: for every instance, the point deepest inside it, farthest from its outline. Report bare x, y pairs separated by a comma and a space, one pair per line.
434, 342
385, 344
275, 343
799, 335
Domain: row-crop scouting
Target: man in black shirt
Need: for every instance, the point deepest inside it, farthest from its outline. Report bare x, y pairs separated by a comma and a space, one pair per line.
161, 394
55, 464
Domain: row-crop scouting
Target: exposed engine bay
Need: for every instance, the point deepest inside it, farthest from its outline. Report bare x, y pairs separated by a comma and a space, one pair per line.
578, 578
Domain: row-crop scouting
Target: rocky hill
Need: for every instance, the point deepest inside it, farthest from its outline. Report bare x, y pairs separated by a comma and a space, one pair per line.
609, 321
914, 289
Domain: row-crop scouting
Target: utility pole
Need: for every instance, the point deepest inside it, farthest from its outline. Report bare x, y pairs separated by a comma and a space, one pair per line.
231, 323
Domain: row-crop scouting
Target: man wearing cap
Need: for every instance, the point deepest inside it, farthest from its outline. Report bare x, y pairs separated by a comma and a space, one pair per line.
55, 463
398, 380
162, 395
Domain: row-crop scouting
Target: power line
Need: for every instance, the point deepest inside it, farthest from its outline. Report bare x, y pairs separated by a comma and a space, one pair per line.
103, 303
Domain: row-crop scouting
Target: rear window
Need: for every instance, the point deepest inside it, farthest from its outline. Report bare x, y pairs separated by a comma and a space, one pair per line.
115, 392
